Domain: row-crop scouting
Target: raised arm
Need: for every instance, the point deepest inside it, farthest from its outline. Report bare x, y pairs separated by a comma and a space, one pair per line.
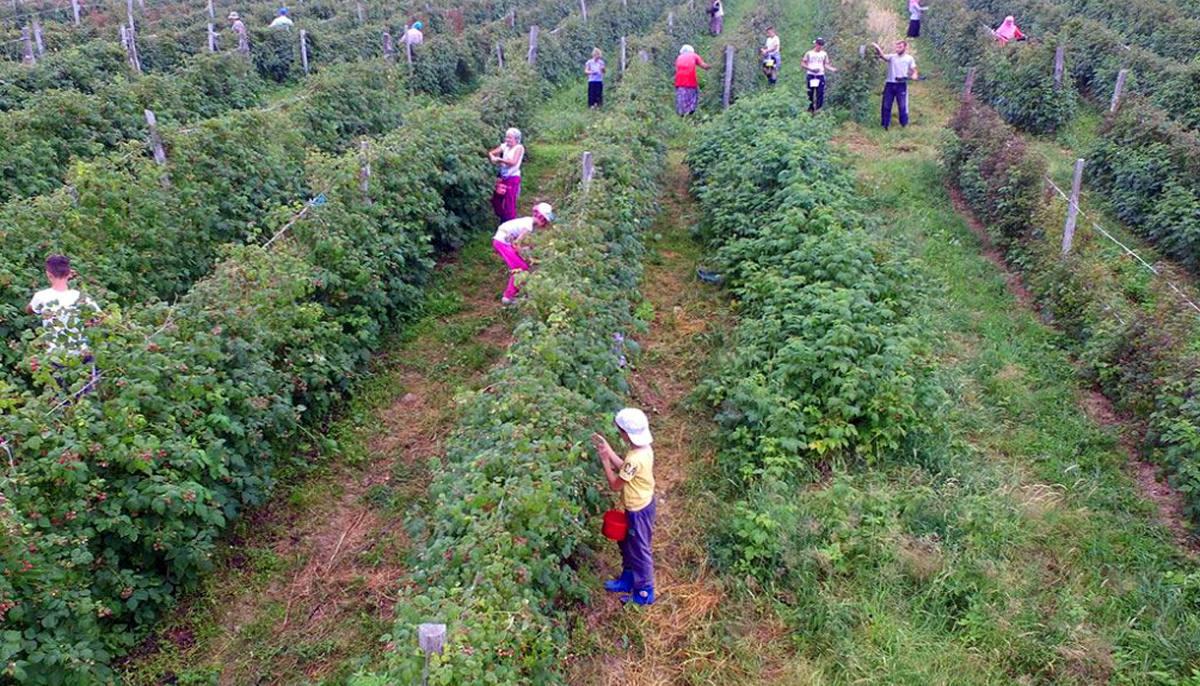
611, 462
878, 51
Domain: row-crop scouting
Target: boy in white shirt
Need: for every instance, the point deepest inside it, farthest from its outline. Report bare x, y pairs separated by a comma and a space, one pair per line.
816, 63
64, 312
770, 55
283, 21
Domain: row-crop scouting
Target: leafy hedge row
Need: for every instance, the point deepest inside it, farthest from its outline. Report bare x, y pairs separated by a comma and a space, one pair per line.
140, 232
827, 365
1132, 333
1094, 51
1149, 168
513, 500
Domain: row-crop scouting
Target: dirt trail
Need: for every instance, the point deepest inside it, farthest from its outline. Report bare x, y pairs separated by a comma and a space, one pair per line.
688, 316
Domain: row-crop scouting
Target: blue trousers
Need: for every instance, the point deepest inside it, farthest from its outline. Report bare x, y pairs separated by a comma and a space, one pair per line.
636, 558
895, 93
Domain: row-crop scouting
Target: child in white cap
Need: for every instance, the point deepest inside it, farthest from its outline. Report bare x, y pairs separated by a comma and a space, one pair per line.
633, 476
507, 243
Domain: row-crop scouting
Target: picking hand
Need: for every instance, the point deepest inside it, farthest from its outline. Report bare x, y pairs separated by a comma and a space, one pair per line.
599, 442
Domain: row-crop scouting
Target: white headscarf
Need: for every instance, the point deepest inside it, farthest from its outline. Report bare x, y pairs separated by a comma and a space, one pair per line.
686, 50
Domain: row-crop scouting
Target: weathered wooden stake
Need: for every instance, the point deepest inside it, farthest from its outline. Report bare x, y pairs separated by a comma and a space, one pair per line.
583, 9
499, 55
212, 37
212, 12
160, 155
75, 10
725, 97
364, 172
512, 18
1059, 53
623, 60
37, 37
862, 51
969, 84
358, 9
670, 20
389, 48
1116, 98
134, 60
588, 171
304, 50
29, 57
1072, 208
533, 44
644, 56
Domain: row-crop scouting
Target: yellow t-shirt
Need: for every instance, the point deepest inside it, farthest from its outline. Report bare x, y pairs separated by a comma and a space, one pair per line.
638, 474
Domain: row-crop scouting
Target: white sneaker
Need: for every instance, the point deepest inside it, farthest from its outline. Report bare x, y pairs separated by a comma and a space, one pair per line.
506, 301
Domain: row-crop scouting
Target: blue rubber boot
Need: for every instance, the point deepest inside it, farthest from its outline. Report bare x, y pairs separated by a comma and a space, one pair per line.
642, 596
621, 584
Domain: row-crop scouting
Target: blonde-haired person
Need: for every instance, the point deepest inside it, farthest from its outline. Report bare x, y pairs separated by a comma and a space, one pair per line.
508, 157
595, 68
687, 86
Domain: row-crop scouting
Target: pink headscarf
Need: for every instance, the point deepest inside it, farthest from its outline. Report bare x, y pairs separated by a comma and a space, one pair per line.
1008, 30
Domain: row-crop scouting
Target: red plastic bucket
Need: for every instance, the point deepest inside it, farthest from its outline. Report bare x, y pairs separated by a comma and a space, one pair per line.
615, 525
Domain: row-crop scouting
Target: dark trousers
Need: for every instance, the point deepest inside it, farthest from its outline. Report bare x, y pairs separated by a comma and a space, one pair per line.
816, 94
595, 93
895, 93
636, 558
914, 28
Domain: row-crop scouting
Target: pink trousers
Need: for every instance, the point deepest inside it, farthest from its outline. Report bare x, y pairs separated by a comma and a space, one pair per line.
515, 264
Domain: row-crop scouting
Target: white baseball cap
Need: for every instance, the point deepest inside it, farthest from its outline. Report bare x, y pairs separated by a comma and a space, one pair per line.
635, 425
544, 209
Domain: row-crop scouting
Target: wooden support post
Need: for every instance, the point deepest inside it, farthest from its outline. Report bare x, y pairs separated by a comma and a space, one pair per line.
512, 18
583, 9
644, 56
623, 53
304, 50
969, 84
1072, 208
131, 35
1059, 54
212, 12
670, 20
499, 54
725, 97
29, 57
37, 37
212, 37
160, 155
389, 48
862, 51
358, 9
1116, 98
533, 44
364, 172
75, 10
589, 170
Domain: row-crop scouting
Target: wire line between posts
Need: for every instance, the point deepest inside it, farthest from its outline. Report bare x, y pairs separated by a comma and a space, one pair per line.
1129, 251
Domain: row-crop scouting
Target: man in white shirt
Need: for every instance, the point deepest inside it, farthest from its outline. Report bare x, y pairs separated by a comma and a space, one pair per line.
901, 68
816, 63
64, 312
282, 21
507, 243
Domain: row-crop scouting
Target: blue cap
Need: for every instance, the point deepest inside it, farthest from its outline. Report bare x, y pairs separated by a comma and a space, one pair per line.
283, 11
418, 25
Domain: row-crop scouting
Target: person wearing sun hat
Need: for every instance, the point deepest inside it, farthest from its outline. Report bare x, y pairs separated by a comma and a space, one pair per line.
633, 476
507, 243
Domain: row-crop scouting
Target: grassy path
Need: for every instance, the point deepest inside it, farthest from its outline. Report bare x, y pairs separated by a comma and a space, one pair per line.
304, 590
